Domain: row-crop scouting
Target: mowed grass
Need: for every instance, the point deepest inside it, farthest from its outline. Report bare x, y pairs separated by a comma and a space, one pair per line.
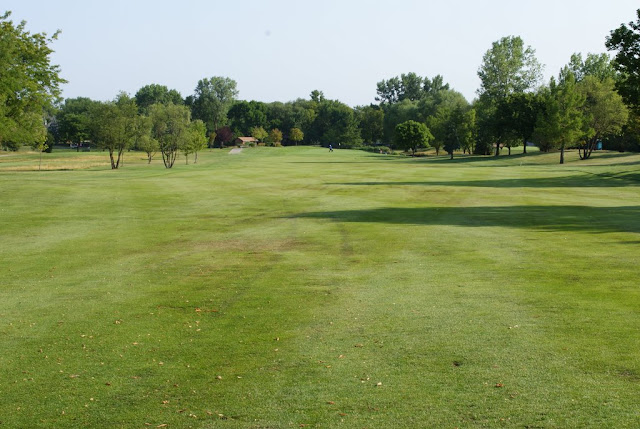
293, 287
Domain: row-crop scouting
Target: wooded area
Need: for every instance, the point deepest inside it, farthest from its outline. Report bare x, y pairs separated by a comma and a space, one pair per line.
593, 102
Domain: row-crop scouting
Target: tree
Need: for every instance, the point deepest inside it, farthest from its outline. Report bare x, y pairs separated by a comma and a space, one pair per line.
453, 129
259, 134
40, 147
516, 115
143, 139
223, 136
605, 113
597, 65
626, 41
275, 136
334, 122
170, 127
412, 135
148, 145
561, 122
74, 120
317, 96
508, 67
112, 126
196, 141
244, 115
408, 86
153, 94
398, 113
212, 99
296, 135
29, 83
371, 123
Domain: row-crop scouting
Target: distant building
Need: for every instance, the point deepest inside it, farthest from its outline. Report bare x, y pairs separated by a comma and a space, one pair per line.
240, 141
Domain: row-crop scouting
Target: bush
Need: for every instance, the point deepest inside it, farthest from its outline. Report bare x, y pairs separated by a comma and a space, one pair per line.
376, 149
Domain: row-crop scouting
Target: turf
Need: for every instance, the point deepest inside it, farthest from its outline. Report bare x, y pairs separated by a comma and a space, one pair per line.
293, 287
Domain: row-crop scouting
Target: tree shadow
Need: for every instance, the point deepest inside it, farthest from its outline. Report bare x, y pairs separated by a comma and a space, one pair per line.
543, 218
609, 180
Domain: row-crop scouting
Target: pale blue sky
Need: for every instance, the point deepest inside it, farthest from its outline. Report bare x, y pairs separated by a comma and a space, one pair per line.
281, 50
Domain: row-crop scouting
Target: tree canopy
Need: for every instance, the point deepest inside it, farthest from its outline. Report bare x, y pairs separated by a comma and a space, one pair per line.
212, 100
154, 93
30, 84
508, 67
625, 40
412, 135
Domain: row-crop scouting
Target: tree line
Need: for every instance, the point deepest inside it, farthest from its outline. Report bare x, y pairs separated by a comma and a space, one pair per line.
593, 100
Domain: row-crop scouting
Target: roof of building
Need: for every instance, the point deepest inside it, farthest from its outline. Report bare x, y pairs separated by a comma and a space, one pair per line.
247, 139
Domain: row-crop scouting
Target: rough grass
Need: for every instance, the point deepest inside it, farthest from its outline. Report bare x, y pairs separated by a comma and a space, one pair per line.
293, 287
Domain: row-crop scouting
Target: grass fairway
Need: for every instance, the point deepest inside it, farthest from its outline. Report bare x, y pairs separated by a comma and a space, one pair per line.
293, 287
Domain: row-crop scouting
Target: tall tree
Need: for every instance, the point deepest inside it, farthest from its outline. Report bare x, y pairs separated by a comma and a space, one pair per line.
371, 123
453, 129
508, 67
408, 86
113, 126
29, 83
626, 41
154, 93
244, 115
334, 123
412, 135
604, 112
74, 120
517, 114
561, 122
596, 65
212, 99
170, 127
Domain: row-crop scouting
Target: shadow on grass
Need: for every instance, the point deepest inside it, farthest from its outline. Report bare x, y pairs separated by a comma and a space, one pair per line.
586, 181
545, 218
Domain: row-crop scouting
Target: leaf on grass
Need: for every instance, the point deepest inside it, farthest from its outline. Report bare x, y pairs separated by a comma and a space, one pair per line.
499, 385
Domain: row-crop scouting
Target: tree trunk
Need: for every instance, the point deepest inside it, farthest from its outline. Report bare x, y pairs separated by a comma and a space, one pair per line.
113, 163
562, 154
497, 149
524, 146
195, 161
451, 153
509, 150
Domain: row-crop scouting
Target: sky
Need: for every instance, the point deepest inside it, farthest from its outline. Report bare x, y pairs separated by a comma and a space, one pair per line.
281, 50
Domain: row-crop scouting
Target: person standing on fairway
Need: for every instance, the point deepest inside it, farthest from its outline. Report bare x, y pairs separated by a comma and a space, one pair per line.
330, 148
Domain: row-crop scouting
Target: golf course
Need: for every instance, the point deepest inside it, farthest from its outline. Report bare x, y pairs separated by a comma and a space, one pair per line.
287, 287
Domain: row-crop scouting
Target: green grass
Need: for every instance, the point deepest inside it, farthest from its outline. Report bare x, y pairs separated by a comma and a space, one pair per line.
293, 287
